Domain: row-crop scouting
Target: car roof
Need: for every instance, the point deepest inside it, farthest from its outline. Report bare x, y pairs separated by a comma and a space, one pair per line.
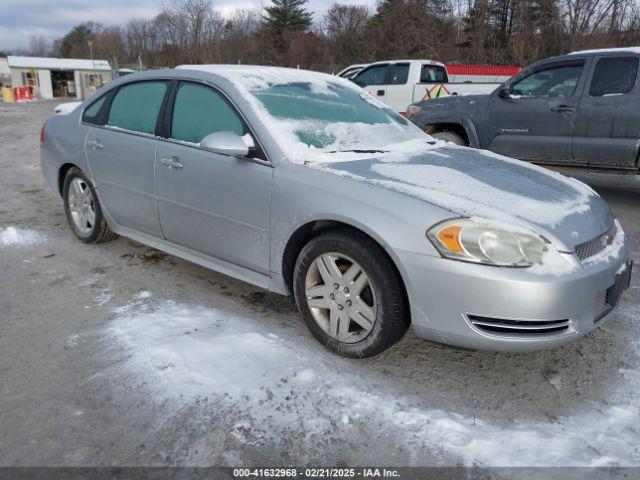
236, 72
425, 62
601, 51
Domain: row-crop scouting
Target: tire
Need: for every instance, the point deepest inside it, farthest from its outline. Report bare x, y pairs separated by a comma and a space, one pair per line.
452, 137
83, 210
376, 315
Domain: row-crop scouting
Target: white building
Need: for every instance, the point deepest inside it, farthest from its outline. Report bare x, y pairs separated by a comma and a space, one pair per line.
59, 77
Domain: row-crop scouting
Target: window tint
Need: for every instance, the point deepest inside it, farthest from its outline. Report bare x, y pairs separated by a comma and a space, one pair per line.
92, 114
433, 74
552, 82
614, 76
372, 76
199, 110
136, 106
399, 74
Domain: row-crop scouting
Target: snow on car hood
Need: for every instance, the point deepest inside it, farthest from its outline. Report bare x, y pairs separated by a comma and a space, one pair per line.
478, 183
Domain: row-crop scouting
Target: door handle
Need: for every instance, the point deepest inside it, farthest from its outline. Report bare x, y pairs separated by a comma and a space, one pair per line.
562, 108
172, 162
95, 144
380, 93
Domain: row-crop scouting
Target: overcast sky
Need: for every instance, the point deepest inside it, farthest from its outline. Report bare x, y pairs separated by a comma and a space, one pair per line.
19, 19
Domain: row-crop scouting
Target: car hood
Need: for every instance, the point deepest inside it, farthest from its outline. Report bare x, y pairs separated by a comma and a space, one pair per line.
478, 183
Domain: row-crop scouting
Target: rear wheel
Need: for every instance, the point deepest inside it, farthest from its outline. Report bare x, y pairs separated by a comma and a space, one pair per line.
452, 137
83, 209
349, 294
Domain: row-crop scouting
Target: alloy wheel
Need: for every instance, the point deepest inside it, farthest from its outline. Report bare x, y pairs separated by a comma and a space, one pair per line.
82, 206
341, 297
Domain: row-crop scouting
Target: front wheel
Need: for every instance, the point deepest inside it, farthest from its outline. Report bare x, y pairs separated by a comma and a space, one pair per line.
349, 294
451, 137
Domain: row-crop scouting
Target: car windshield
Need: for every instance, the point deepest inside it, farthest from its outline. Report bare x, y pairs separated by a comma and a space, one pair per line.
336, 118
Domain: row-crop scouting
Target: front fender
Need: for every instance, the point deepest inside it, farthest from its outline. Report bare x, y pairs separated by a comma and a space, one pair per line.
302, 195
423, 119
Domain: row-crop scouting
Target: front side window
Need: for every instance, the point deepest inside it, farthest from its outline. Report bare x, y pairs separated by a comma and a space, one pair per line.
558, 81
398, 74
614, 76
136, 106
375, 75
199, 110
433, 74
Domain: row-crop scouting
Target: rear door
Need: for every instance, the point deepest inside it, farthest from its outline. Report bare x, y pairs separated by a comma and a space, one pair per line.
536, 121
121, 149
214, 204
608, 121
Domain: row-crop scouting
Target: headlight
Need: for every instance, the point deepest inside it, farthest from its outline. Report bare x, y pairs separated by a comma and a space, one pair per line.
480, 242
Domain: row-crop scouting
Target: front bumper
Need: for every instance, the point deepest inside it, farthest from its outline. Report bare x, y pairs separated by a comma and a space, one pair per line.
444, 294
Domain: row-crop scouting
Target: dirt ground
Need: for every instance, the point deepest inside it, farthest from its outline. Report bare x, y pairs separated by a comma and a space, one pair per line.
117, 354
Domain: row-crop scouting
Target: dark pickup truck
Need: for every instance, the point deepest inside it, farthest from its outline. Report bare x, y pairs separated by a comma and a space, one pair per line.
579, 110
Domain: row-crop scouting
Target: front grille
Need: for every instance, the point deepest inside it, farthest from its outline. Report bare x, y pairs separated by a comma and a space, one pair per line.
601, 306
593, 247
518, 327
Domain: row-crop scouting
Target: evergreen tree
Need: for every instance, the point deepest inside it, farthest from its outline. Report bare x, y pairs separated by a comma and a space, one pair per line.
288, 15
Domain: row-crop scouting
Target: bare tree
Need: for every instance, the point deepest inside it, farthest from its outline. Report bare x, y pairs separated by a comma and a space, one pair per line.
39, 46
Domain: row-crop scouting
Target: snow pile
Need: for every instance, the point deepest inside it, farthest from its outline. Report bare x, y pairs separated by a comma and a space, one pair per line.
12, 236
279, 386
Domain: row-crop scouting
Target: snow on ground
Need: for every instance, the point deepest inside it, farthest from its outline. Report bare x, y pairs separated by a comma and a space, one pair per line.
12, 236
277, 385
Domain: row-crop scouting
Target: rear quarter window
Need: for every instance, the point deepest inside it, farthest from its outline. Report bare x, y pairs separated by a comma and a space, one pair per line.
614, 76
94, 113
136, 106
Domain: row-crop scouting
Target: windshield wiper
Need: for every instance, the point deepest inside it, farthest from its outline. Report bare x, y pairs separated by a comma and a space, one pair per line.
355, 150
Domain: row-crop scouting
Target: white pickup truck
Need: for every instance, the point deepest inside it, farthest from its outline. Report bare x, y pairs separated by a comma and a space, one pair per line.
399, 83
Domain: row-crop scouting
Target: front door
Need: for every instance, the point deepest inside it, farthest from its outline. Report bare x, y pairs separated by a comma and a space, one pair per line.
535, 121
214, 204
373, 79
121, 154
398, 94
608, 121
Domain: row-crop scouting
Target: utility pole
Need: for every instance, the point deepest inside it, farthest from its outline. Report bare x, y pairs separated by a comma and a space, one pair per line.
91, 53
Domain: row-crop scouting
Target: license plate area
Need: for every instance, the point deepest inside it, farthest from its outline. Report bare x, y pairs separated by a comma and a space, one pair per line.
623, 280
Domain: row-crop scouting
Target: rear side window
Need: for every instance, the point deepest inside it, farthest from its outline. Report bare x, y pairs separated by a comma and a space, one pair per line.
136, 106
93, 114
614, 76
372, 76
199, 110
433, 74
398, 74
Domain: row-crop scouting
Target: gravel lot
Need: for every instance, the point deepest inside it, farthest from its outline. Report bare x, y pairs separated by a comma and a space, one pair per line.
118, 354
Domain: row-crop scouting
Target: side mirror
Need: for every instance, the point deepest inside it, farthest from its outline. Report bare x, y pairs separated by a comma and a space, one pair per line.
504, 92
225, 143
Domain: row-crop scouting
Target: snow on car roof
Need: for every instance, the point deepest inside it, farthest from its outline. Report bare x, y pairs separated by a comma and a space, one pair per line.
607, 50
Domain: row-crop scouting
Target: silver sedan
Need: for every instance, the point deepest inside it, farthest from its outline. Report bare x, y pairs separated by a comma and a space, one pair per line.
304, 184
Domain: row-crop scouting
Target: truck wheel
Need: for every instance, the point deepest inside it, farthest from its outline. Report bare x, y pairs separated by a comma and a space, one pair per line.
452, 137
349, 294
